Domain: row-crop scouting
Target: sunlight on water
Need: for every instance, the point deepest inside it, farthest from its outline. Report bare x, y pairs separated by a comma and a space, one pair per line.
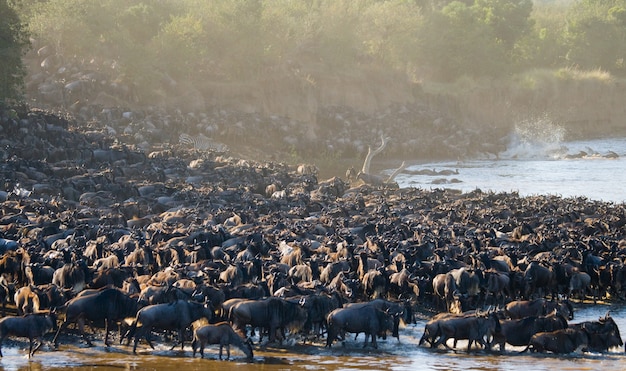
546, 166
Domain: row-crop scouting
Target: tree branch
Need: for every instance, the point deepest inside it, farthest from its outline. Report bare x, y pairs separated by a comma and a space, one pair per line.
370, 154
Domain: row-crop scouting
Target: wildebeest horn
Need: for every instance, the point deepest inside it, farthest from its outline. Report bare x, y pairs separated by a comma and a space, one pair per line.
302, 301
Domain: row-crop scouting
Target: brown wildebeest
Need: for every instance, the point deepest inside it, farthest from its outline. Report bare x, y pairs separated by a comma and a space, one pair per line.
32, 326
220, 333
26, 300
519, 309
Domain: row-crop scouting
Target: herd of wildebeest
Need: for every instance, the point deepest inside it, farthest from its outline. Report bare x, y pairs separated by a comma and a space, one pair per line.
94, 233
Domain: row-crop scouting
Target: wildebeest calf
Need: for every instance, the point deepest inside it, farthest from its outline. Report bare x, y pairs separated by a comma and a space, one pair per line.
224, 335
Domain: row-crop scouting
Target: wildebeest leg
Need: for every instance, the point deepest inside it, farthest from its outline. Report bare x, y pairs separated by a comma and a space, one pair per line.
443, 339
227, 352
143, 331
373, 339
1, 341
56, 336
81, 328
181, 339
32, 351
221, 346
106, 332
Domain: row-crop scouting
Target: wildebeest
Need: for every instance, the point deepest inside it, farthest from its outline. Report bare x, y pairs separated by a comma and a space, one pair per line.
518, 332
109, 305
272, 314
178, 316
480, 329
220, 333
367, 319
497, 284
431, 329
444, 287
397, 310
32, 326
560, 341
26, 300
538, 279
318, 306
7, 289
72, 276
519, 309
579, 284
603, 334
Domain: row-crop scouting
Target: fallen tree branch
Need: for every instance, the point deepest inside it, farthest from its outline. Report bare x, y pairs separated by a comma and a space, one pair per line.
370, 154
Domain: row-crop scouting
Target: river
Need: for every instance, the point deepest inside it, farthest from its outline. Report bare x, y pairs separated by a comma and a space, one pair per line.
534, 163
391, 355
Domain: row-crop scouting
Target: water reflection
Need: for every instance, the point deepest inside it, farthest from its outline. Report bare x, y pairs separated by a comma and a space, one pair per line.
391, 355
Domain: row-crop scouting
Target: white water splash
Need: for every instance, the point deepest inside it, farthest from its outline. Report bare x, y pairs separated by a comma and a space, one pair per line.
536, 138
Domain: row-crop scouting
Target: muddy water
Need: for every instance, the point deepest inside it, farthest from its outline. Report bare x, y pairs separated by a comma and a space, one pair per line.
390, 355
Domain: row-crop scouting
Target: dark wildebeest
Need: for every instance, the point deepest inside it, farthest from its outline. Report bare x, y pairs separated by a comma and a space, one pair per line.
431, 329
367, 319
220, 333
560, 341
32, 326
497, 284
178, 316
7, 290
603, 334
398, 311
271, 314
538, 279
38, 274
318, 306
109, 305
563, 307
479, 328
518, 332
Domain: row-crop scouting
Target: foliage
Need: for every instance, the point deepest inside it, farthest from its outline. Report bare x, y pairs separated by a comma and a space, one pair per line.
152, 41
13, 44
596, 35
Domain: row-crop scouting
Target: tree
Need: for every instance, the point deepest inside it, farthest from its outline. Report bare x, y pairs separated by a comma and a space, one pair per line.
477, 39
596, 35
14, 40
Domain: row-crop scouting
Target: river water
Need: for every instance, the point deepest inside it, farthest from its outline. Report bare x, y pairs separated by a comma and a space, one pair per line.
535, 162
391, 355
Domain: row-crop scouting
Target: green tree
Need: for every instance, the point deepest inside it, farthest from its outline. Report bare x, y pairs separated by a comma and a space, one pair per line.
477, 39
596, 35
14, 40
